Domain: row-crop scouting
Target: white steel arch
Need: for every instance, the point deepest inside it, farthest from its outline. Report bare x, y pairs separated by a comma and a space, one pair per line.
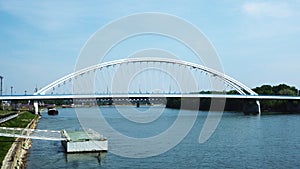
240, 87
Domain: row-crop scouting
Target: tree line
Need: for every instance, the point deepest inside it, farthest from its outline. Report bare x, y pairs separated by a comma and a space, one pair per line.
289, 106
244, 105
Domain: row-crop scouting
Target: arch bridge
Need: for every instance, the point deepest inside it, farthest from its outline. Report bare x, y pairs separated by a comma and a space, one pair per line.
166, 71
145, 77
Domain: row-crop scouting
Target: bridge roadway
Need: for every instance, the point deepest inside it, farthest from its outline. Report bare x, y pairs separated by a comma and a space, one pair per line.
99, 96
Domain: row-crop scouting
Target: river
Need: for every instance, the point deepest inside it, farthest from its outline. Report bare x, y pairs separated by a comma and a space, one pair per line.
269, 141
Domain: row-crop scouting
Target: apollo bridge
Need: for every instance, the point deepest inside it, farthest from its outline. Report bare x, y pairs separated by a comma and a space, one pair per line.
134, 79
145, 77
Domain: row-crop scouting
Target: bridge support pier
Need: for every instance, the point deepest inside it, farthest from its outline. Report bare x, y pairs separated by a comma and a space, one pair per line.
36, 107
258, 106
252, 107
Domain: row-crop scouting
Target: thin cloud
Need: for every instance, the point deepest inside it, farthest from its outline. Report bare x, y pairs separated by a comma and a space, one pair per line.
268, 9
58, 15
265, 20
45, 15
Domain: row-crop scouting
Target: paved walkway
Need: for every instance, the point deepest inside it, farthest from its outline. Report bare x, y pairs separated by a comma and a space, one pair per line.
5, 119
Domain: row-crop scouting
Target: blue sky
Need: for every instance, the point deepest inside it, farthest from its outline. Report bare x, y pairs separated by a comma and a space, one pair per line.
257, 41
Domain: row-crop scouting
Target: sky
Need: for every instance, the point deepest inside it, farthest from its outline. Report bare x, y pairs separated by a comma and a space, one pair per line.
257, 41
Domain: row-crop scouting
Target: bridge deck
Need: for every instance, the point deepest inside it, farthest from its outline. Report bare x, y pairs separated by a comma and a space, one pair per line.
158, 95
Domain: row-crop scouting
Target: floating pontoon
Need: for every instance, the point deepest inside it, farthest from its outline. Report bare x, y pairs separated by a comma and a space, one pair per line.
84, 141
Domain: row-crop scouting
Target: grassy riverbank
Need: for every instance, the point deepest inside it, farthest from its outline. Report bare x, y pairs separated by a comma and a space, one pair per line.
21, 121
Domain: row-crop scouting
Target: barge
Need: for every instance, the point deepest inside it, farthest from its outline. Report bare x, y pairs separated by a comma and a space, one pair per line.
52, 111
84, 141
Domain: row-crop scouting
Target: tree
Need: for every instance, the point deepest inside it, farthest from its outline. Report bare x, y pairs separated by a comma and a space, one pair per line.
264, 90
278, 105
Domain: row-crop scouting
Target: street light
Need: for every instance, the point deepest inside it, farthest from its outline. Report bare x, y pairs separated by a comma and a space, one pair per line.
1, 85
1, 78
11, 90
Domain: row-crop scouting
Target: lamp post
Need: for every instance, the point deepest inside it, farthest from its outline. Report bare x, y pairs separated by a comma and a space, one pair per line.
1, 78
11, 90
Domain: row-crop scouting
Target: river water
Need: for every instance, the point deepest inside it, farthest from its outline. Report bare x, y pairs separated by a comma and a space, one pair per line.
270, 141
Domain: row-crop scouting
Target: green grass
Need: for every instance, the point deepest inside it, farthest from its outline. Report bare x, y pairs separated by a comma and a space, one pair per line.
5, 112
21, 121
5, 142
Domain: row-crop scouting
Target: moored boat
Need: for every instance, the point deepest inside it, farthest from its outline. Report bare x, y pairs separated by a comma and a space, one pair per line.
52, 111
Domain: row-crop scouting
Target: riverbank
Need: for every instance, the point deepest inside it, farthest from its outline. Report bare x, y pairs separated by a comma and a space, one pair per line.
236, 105
17, 154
